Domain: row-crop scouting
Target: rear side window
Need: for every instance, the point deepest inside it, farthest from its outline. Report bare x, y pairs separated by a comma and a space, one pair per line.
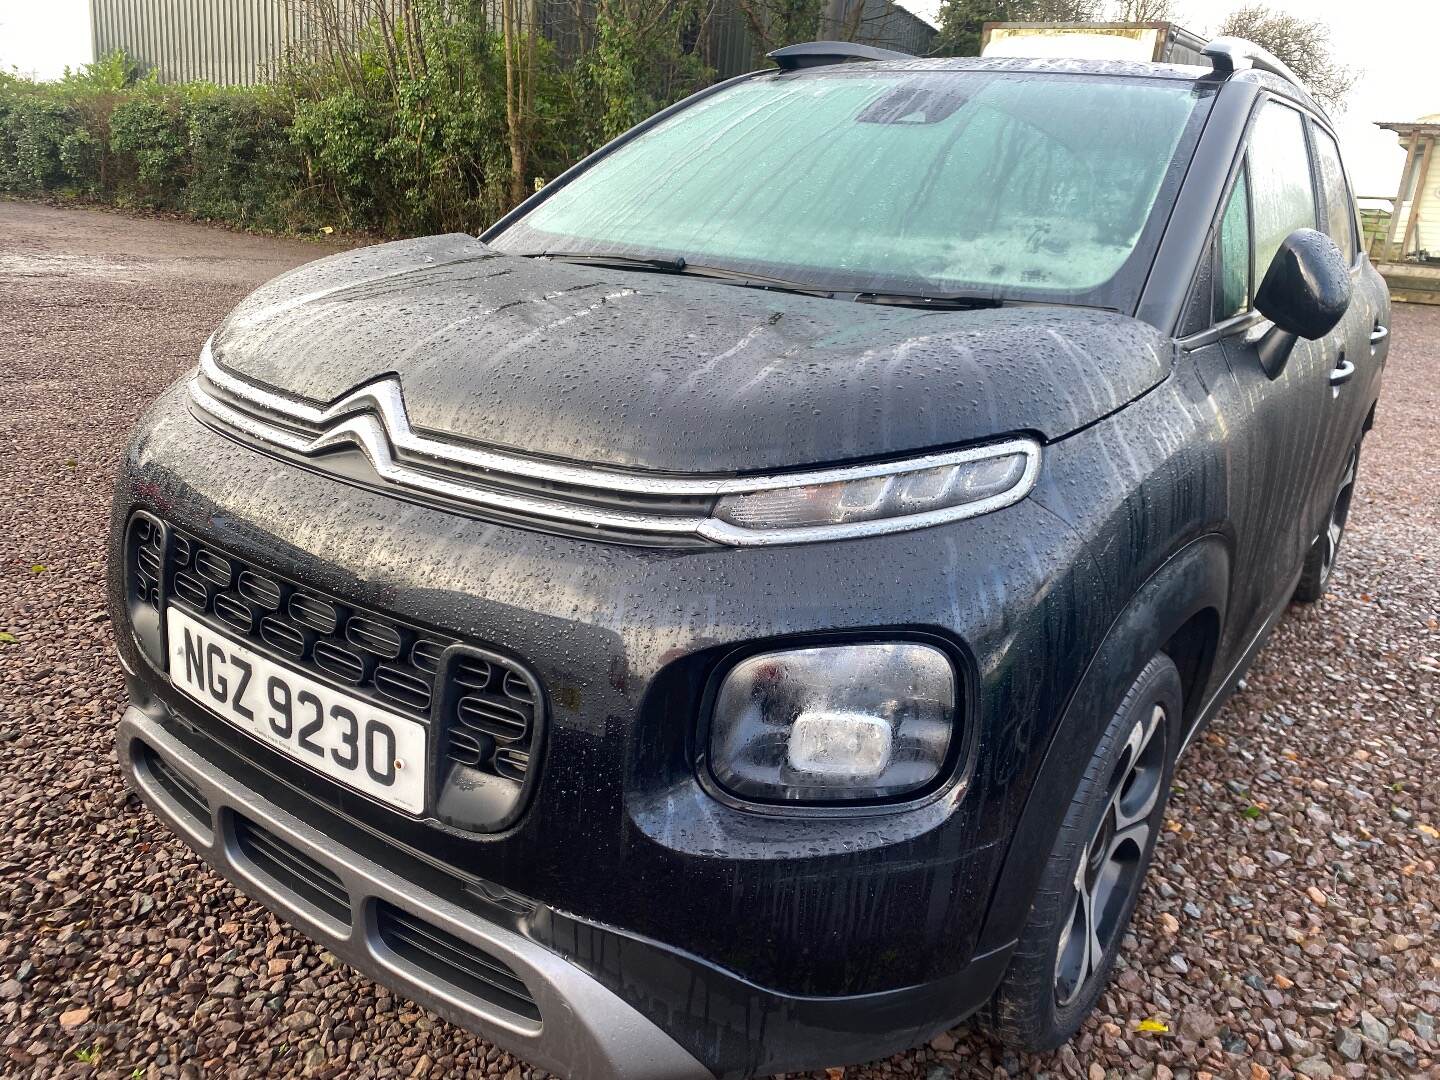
1339, 207
1232, 283
1280, 183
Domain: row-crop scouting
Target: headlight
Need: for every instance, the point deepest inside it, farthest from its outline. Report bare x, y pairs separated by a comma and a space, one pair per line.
834, 723
890, 497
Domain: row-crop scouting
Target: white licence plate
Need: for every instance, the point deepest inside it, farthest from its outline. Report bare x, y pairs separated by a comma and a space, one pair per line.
343, 736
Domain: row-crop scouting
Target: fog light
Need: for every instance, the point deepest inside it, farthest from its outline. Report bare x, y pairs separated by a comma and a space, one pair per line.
840, 744
834, 723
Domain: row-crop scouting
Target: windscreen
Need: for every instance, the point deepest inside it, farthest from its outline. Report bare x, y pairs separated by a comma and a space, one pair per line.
1007, 183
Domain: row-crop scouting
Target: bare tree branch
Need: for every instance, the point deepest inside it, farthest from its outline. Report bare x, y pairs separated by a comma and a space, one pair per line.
1304, 44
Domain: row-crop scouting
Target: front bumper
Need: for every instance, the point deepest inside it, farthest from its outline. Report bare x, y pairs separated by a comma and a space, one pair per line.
757, 942
584, 1029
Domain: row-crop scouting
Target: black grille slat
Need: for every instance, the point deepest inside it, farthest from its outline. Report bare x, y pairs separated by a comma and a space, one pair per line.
179, 788
472, 673
402, 667
517, 687
276, 855
500, 720
458, 954
192, 590
313, 612
234, 612
374, 636
296, 871
214, 568
512, 764
149, 560
447, 957
340, 662
260, 591
425, 655
283, 636
409, 690
466, 748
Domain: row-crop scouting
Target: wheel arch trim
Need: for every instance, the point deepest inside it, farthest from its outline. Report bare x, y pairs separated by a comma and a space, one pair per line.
1194, 579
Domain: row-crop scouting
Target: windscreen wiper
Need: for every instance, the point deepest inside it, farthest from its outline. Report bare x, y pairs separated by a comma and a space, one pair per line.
680, 265
936, 301
668, 266
756, 281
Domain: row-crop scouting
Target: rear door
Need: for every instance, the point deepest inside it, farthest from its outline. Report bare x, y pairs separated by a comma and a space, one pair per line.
1364, 327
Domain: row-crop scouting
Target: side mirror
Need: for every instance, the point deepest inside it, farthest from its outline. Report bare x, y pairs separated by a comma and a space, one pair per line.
1305, 292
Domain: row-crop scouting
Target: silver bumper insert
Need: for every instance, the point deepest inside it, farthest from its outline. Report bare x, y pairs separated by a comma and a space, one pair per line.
583, 1029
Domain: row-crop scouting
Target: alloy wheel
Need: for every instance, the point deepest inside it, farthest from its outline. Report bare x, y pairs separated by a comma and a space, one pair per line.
1111, 865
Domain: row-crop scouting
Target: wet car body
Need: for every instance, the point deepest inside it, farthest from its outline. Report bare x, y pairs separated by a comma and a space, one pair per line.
659, 925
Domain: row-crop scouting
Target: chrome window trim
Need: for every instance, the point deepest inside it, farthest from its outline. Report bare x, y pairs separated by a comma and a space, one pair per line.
373, 417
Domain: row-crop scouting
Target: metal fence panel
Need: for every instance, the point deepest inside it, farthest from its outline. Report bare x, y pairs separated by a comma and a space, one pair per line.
238, 42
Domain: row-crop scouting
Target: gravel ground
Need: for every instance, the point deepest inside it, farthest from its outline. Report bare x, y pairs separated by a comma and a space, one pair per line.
1289, 925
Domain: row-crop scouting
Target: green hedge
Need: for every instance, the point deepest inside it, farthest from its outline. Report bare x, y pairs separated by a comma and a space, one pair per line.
407, 135
220, 154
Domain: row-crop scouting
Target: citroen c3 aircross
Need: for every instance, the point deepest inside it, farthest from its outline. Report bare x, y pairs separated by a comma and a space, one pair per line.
741, 613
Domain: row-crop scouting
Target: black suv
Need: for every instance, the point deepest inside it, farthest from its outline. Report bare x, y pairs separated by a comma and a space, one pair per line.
742, 612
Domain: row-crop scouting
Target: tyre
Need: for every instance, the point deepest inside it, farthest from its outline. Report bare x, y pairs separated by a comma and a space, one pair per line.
1093, 876
1320, 560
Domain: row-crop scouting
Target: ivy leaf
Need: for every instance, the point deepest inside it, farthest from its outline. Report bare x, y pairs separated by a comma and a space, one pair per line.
7, 639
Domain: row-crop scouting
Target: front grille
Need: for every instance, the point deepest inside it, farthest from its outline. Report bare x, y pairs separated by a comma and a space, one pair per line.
289, 867
448, 958
147, 553
485, 708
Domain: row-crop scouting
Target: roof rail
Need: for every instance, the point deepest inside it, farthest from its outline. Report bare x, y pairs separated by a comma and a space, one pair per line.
1231, 54
820, 53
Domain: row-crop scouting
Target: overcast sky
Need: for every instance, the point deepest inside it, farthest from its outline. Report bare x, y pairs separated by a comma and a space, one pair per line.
1395, 44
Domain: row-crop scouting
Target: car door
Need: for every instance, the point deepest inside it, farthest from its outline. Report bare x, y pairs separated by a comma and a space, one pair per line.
1364, 327
1284, 430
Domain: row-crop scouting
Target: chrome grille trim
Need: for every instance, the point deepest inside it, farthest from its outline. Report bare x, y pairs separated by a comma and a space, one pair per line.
366, 432
373, 418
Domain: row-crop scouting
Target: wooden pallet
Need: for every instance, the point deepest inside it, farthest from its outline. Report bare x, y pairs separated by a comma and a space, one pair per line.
1412, 283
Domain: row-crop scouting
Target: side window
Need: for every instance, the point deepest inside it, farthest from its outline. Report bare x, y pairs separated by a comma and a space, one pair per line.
1339, 207
1280, 183
1232, 280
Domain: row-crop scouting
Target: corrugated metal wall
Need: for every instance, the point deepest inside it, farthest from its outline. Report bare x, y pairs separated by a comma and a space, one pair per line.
730, 49
882, 23
231, 42
236, 42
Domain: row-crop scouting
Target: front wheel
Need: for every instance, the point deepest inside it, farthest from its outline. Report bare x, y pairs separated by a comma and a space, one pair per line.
1093, 875
1320, 560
